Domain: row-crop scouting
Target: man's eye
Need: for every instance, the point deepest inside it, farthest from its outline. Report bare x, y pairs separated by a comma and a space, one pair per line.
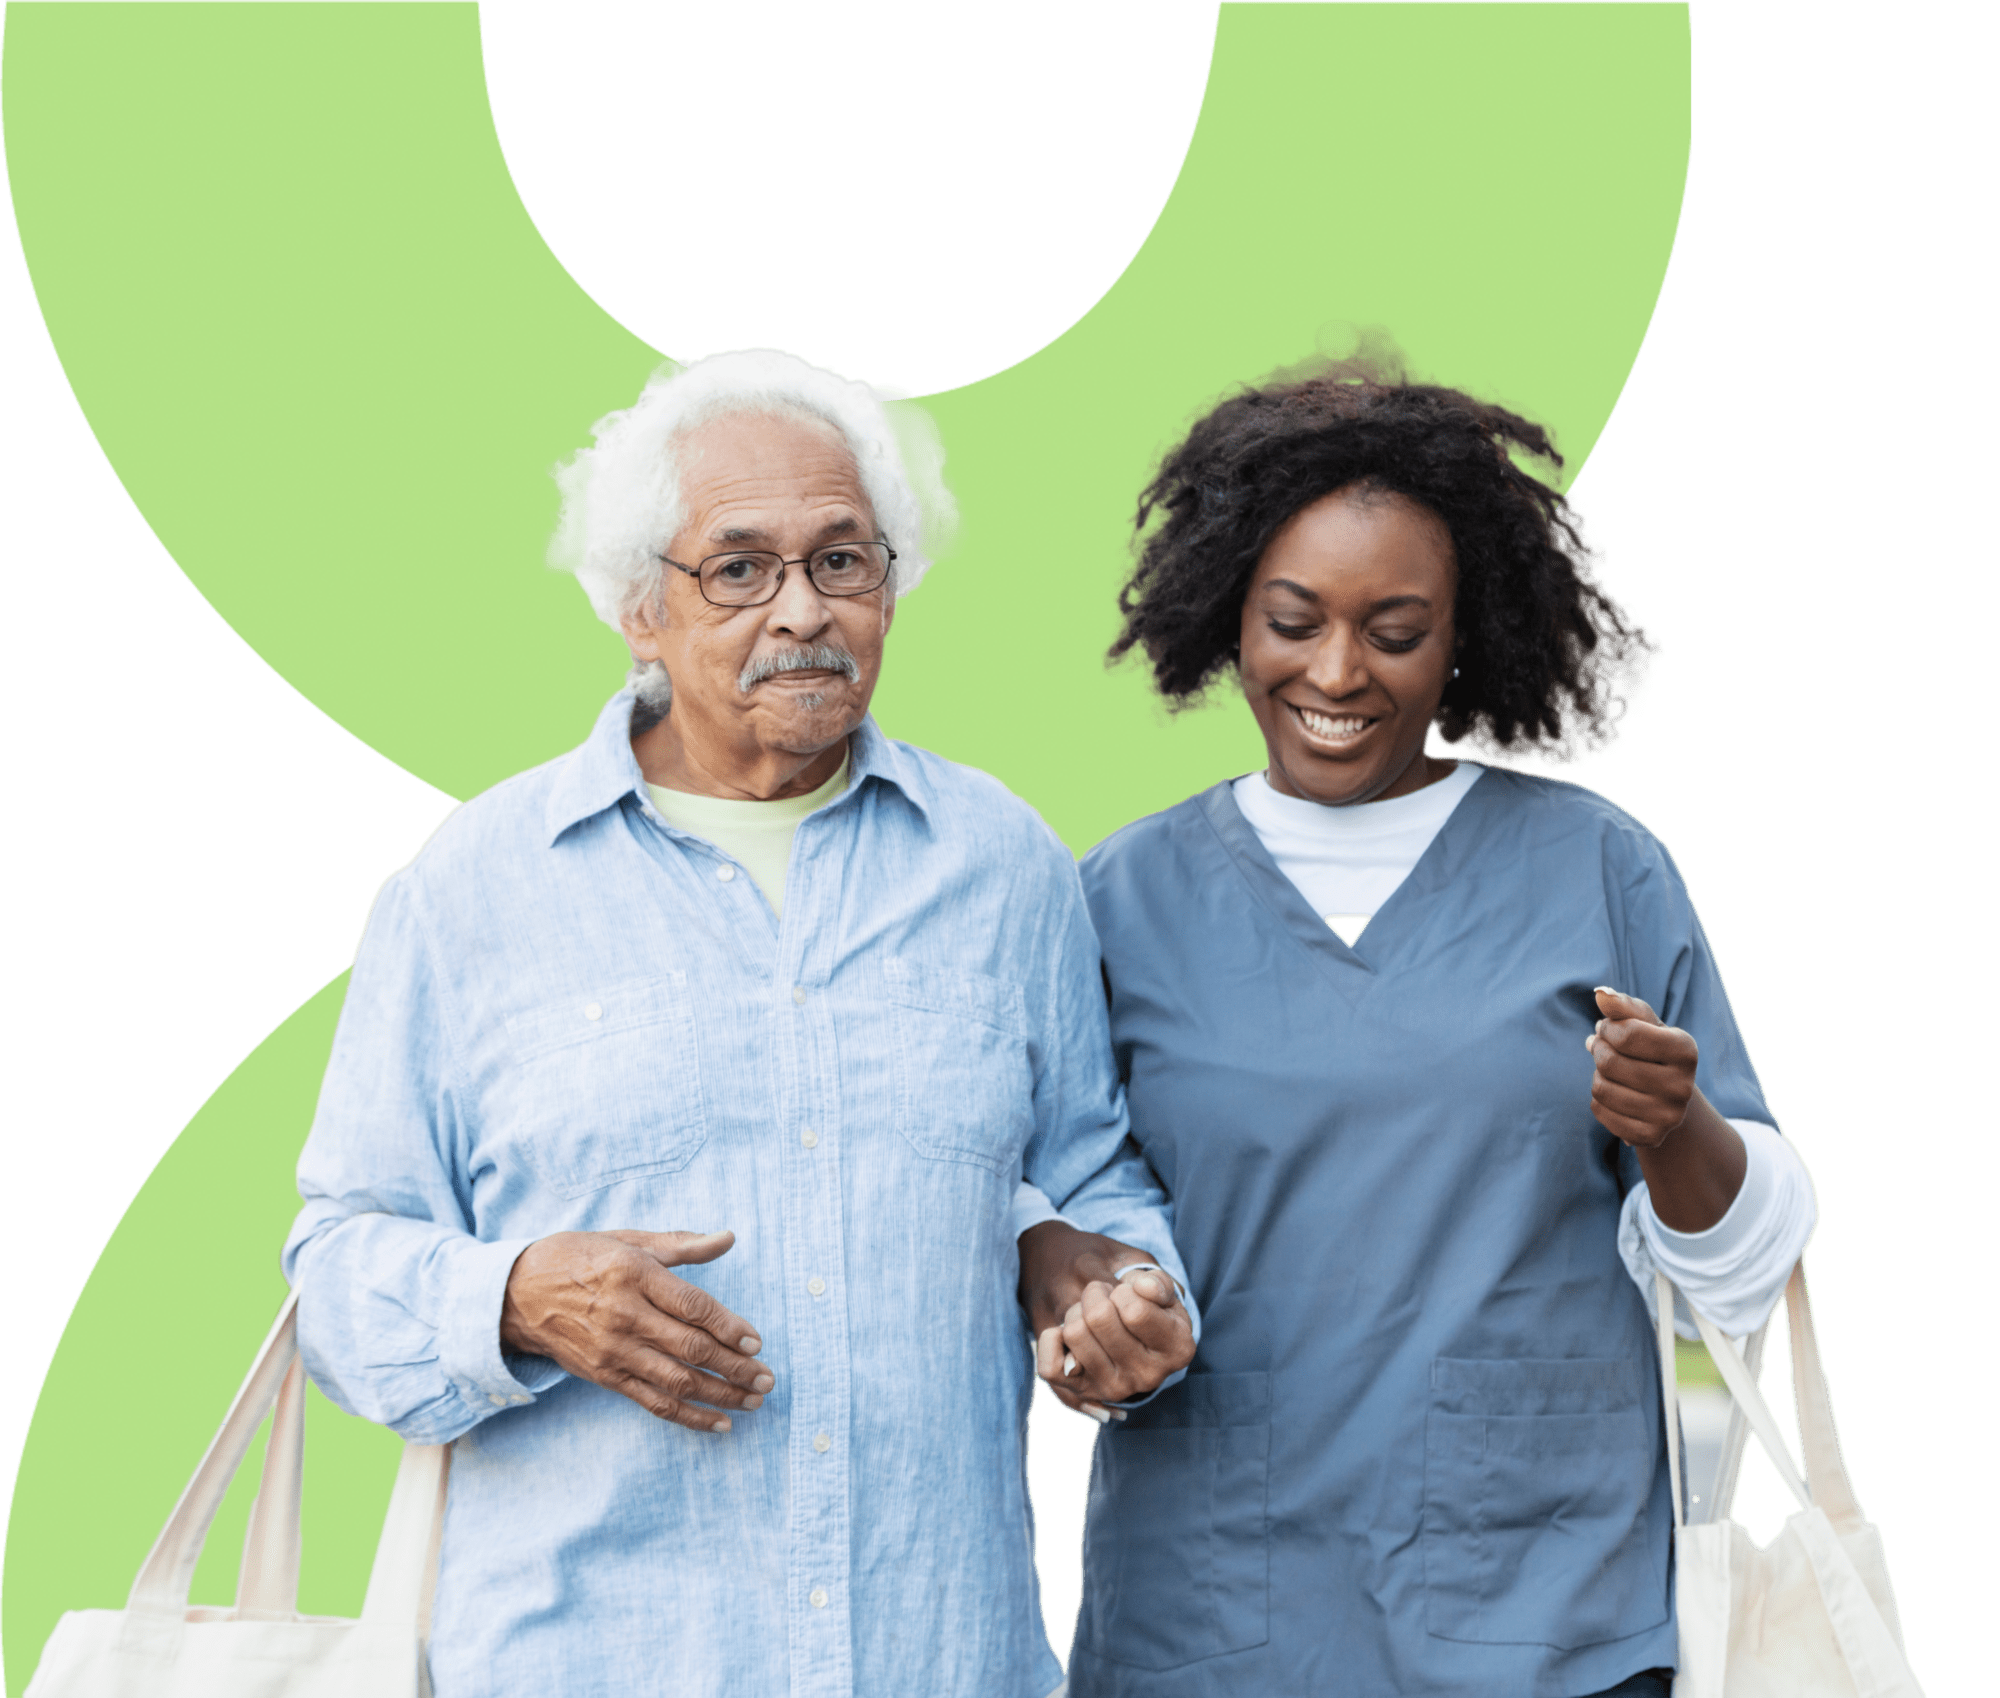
841, 562
736, 570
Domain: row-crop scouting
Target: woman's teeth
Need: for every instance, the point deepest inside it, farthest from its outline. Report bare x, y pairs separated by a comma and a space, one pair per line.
1334, 730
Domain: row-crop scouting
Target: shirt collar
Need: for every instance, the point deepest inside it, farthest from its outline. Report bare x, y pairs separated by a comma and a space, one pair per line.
872, 755
602, 771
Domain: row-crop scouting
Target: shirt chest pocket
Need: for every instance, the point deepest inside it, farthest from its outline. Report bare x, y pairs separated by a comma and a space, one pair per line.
606, 1084
964, 1084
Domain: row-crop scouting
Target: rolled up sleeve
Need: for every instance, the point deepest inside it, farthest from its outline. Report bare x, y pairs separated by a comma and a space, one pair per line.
1735, 1271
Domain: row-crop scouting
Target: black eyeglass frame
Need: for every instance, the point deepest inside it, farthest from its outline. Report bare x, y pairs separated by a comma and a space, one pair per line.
778, 583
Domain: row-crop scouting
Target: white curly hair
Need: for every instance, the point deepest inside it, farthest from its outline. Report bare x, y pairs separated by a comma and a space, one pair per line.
621, 498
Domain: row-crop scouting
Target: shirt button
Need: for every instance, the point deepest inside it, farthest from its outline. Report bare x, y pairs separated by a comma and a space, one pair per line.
593, 1011
816, 1286
809, 1138
818, 1596
822, 1443
725, 873
521, 1397
799, 994
496, 1399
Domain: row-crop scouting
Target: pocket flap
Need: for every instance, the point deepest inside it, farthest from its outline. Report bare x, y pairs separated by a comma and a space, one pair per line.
599, 1013
1533, 1386
1208, 1400
978, 996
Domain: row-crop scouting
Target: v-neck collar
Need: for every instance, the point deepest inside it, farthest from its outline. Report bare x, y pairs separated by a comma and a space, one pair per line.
1393, 923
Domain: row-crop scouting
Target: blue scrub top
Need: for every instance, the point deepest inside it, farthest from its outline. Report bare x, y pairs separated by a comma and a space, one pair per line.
1421, 1448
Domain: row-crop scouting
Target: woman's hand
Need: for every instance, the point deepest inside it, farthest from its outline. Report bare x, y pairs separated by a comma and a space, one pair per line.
1099, 1339
1645, 1071
1644, 1093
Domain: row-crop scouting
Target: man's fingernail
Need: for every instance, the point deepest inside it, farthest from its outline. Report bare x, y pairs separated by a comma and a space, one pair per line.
1117, 1414
1606, 990
753, 1401
1590, 1042
722, 1426
750, 1344
763, 1382
1096, 1414
1069, 1366
1149, 1287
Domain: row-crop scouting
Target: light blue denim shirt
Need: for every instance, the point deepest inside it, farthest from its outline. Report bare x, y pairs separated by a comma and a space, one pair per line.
567, 1015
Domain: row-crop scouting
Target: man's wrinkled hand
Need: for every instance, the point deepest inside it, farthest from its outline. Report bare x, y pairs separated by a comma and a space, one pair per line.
604, 1306
1098, 1339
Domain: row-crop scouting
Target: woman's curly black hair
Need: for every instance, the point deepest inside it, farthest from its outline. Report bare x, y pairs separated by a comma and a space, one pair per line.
1537, 640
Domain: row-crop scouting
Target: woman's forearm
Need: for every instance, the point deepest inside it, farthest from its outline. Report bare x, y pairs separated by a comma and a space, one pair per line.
1695, 1172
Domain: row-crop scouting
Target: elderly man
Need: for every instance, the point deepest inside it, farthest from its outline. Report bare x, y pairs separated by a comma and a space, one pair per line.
671, 1155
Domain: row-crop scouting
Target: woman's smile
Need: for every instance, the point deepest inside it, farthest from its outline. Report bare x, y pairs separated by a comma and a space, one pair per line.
1332, 731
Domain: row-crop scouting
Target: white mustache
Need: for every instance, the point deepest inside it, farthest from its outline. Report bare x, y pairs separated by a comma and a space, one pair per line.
819, 657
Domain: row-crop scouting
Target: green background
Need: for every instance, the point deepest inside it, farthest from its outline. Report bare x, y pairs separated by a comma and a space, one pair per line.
275, 529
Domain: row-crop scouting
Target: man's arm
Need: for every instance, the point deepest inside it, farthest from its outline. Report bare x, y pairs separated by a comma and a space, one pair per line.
399, 1302
1100, 1339
405, 1315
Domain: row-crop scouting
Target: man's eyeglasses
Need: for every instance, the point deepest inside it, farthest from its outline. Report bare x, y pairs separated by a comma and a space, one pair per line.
749, 577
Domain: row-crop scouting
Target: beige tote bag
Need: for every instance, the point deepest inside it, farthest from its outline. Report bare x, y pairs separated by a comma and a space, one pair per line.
1811, 1613
158, 1646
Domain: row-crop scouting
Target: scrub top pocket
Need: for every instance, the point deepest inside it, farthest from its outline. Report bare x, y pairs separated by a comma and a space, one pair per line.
1177, 1563
610, 1084
1538, 1476
964, 1085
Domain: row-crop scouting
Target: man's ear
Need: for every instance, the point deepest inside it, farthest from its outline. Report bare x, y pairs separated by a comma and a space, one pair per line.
641, 639
642, 636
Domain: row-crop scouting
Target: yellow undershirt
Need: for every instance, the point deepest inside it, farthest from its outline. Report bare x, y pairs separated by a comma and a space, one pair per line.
758, 835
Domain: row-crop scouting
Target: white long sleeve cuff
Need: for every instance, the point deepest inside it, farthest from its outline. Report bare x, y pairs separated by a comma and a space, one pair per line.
1032, 1207
1735, 1271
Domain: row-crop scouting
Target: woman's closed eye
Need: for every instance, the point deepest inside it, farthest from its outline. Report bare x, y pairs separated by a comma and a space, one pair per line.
1397, 642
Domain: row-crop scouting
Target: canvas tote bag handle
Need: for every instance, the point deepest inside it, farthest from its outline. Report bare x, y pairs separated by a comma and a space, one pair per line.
1736, 1435
1825, 1480
1827, 1473
1663, 1314
404, 1577
267, 1583
403, 1582
168, 1571
1736, 1376
1742, 1387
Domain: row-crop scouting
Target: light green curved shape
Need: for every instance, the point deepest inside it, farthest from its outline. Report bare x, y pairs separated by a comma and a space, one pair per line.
321, 342
159, 1341
330, 358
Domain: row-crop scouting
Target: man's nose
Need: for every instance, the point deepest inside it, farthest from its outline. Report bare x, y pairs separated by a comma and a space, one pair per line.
798, 609
1339, 665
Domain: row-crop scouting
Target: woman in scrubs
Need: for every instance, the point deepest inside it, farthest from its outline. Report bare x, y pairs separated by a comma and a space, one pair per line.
1436, 1064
